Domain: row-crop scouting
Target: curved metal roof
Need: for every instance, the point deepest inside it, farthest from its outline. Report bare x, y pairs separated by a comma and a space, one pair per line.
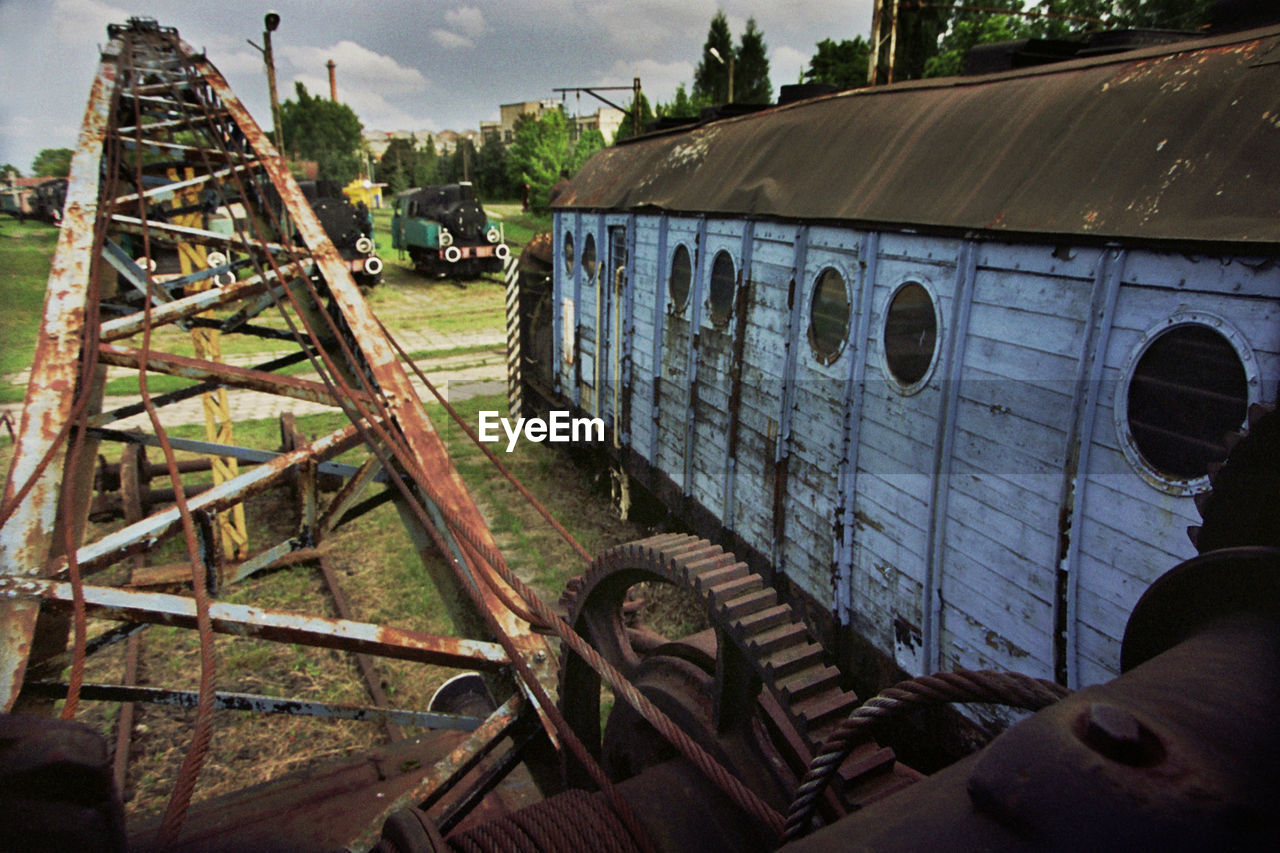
1176, 143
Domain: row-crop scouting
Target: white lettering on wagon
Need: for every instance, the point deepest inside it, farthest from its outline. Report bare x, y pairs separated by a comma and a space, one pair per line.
558, 427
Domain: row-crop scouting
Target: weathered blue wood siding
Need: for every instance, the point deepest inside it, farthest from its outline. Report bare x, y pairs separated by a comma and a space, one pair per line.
986, 516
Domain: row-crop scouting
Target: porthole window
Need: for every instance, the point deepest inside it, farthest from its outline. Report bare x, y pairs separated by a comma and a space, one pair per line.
1188, 389
910, 334
681, 277
568, 252
589, 255
829, 316
722, 281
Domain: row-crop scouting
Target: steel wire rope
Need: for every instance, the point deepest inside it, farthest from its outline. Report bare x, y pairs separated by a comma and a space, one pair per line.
202, 730
407, 459
744, 797
708, 765
1001, 688
77, 415
506, 472
733, 787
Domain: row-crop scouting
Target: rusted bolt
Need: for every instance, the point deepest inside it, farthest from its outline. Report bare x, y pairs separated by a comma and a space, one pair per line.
1118, 735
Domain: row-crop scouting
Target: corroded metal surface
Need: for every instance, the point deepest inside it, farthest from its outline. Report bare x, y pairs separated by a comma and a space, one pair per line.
157, 226
1171, 144
25, 536
243, 620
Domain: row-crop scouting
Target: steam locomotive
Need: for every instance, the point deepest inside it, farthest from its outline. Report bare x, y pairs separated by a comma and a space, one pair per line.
445, 231
349, 226
48, 199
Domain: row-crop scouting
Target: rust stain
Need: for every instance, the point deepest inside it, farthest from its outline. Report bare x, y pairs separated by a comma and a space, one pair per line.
864, 521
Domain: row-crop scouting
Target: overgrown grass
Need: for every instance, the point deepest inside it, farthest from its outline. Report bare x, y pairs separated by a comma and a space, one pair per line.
385, 578
25, 251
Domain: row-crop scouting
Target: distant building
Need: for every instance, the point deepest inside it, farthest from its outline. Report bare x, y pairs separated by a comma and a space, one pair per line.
508, 113
607, 120
443, 141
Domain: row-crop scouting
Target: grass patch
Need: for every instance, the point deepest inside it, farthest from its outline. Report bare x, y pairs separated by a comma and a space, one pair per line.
26, 249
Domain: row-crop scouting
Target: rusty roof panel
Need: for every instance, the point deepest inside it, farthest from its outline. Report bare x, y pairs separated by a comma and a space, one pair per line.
1176, 143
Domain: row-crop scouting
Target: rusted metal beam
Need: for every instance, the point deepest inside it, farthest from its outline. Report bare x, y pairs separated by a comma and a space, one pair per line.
159, 230
201, 370
368, 671
196, 303
26, 536
229, 701
165, 189
278, 625
145, 533
428, 451
446, 772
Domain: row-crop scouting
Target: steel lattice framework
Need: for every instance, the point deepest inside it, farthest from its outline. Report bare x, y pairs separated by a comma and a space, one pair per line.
180, 213
167, 153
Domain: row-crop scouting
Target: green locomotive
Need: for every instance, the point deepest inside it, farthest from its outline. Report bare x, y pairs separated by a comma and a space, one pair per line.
445, 231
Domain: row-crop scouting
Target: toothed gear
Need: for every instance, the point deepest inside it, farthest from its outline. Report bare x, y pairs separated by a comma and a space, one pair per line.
755, 682
1243, 504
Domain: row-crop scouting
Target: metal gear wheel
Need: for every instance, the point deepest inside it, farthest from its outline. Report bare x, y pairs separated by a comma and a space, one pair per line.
752, 688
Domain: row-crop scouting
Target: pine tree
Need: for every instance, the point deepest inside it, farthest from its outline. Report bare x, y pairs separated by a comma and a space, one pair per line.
711, 78
842, 64
626, 129
751, 72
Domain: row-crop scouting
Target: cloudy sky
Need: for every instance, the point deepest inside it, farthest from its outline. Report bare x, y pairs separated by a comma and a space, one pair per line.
401, 64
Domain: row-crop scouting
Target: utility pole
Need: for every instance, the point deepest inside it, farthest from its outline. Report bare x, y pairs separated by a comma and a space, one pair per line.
893, 40
873, 66
270, 21
728, 65
333, 80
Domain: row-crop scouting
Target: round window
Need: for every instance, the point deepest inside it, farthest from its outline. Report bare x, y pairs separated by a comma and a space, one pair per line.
589, 255
910, 334
568, 252
828, 316
681, 277
722, 281
1187, 391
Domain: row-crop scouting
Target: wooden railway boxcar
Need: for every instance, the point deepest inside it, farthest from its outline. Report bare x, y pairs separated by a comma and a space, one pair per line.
947, 359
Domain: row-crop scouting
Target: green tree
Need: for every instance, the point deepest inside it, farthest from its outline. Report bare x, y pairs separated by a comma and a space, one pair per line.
52, 163
460, 164
626, 129
403, 166
491, 173
842, 64
959, 30
7, 170
711, 77
1165, 14
325, 131
591, 141
751, 70
965, 34
424, 168
683, 105
538, 153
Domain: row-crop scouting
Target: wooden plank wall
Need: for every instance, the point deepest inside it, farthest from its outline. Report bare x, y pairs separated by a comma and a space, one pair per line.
943, 522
